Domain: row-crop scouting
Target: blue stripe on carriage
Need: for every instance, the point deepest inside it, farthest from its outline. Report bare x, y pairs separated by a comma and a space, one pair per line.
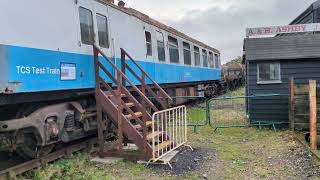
34, 70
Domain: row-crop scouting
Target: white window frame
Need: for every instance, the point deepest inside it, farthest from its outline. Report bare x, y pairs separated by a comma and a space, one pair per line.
148, 43
175, 45
207, 57
271, 81
190, 51
158, 32
194, 57
107, 31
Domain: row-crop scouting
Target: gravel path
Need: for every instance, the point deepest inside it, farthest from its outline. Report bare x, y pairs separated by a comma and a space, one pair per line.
204, 161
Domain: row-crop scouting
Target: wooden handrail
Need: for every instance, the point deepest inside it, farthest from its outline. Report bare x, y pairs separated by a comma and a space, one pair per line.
138, 105
147, 75
125, 77
146, 87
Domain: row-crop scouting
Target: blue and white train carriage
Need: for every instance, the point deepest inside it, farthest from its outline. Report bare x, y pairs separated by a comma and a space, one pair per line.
46, 45
46, 54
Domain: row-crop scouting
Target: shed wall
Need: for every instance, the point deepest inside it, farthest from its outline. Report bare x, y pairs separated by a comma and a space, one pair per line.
276, 108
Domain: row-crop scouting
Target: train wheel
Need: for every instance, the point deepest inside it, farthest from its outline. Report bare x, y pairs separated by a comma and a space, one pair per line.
29, 149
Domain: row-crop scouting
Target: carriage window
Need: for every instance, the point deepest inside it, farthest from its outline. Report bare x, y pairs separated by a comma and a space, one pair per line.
186, 53
269, 73
86, 26
173, 49
217, 61
102, 24
196, 56
148, 43
205, 58
211, 62
161, 49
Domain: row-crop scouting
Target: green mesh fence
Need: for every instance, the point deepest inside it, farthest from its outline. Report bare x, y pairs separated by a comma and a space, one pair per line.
228, 112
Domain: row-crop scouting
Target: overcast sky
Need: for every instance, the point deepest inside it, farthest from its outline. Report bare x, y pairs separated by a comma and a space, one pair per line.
221, 23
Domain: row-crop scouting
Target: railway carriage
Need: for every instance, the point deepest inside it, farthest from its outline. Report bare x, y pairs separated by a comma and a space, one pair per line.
47, 68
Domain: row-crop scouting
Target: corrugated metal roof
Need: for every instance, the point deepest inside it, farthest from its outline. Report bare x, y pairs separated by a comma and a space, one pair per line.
283, 47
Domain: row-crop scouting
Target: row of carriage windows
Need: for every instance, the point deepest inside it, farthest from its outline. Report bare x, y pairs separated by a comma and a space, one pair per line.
208, 61
87, 37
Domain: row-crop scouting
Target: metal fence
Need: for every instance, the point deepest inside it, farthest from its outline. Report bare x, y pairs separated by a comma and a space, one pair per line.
228, 112
172, 124
269, 110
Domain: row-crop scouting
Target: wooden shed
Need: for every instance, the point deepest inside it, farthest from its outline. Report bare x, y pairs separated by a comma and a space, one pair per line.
270, 63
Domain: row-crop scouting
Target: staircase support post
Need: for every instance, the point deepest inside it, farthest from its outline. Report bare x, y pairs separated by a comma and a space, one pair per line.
123, 66
120, 109
98, 103
144, 118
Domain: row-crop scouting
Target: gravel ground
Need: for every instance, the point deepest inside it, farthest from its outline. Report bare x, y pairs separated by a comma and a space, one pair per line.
204, 161
300, 160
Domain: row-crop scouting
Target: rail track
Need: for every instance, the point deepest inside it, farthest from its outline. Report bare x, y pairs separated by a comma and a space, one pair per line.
12, 172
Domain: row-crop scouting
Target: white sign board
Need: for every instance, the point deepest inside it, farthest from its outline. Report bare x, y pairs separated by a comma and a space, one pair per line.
273, 30
68, 71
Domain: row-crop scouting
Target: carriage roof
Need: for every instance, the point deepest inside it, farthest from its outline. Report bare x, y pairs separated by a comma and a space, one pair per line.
145, 18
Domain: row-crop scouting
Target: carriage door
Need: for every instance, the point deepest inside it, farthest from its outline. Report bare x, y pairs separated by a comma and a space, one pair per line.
94, 28
85, 64
102, 28
150, 46
103, 39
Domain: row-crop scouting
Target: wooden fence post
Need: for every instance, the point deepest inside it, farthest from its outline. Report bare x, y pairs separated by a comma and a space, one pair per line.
313, 113
291, 104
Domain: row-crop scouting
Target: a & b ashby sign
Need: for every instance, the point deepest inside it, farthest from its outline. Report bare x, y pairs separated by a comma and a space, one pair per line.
273, 30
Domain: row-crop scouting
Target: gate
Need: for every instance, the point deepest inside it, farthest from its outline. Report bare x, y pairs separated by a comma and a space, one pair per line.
227, 112
244, 111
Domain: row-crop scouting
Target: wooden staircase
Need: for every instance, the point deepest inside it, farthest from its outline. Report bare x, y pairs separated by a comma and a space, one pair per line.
129, 106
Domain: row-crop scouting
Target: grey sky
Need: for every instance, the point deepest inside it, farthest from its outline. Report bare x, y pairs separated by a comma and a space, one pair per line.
221, 23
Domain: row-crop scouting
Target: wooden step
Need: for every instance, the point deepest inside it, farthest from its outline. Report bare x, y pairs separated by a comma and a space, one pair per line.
138, 114
155, 134
164, 145
109, 94
129, 105
138, 126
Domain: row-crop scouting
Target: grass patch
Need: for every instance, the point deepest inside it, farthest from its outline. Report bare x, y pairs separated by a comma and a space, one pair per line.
80, 167
242, 150
197, 114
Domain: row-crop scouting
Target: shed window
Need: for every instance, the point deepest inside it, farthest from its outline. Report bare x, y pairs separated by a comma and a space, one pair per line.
148, 43
161, 49
187, 53
269, 73
196, 56
86, 26
211, 62
102, 24
205, 58
173, 49
217, 61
